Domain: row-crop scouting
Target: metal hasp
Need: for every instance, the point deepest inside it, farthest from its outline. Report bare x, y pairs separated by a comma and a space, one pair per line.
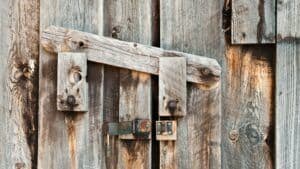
166, 130
139, 128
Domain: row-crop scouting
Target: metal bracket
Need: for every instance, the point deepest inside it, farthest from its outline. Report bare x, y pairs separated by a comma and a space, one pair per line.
166, 130
139, 128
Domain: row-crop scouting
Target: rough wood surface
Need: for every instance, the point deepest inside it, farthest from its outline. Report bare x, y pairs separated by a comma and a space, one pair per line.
248, 116
19, 51
68, 140
128, 55
72, 88
132, 21
287, 105
287, 85
172, 86
288, 20
194, 27
253, 21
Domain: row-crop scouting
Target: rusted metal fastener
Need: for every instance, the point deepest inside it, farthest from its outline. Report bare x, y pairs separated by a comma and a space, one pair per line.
71, 101
172, 105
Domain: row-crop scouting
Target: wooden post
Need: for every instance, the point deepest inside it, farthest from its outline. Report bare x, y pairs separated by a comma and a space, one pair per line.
19, 53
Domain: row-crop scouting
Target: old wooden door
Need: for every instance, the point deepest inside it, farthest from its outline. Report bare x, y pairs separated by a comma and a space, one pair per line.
77, 132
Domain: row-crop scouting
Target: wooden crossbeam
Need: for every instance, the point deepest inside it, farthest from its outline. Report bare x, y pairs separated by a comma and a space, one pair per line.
127, 55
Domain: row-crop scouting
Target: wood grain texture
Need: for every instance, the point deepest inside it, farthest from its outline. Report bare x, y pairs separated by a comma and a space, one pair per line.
194, 27
253, 21
72, 88
248, 118
288, 20
132, 21
19, 52
172, 86
126, 54
68, 140
287, 105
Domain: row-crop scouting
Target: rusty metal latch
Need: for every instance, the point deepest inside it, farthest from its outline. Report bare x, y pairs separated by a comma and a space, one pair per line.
166, 130
139, 128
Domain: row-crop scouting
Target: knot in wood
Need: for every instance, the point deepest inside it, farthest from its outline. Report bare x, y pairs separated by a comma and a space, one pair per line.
234, 135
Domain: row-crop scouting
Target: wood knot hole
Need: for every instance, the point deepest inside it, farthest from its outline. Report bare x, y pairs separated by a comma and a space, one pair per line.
172, 105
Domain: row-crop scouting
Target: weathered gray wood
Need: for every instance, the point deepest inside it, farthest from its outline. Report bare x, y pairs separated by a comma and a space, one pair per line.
287, 85
253, 21
19, 84
68, 140
131, 21
287, 105
194, 27
247, 125
172, 86
72, 88
288, 20
126, 54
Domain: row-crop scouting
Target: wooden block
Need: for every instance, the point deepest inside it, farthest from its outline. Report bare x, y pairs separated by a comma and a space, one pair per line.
172, 86
71, 82
253, 21
166, 130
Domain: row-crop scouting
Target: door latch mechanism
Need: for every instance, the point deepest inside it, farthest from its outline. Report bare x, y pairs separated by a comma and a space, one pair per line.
139, 128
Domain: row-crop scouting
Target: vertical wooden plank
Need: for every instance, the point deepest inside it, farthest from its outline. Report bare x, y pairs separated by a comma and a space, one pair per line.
68, 140
19, 51
287, 85
132, 21
194, 27
253, 21
288, 20
172, 86
248, 116
287, 105
72, 94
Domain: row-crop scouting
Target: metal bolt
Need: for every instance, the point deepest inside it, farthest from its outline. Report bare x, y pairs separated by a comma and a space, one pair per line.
71, 100
172, 105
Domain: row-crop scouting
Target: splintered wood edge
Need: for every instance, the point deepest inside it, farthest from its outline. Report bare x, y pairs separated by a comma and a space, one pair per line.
130, 55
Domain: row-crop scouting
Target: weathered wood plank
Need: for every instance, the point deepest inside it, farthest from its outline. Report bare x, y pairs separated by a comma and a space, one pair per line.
247, 122
68, 140
288, 22
127, 54
72, 88
194, 27
19, 51
172, 86
287, 85
287, 105
131, 21
253, 21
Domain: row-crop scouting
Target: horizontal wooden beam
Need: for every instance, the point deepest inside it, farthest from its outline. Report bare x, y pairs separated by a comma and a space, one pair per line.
127, 55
